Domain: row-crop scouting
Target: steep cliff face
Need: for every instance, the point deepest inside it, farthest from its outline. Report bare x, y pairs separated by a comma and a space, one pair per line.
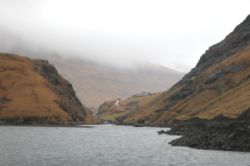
218, 86
32, 92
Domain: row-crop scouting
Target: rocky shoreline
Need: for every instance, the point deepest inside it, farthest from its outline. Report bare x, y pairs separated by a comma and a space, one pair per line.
220, 133
217, 134
234, 137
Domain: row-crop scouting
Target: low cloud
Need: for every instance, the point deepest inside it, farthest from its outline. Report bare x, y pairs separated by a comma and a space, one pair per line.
122, 33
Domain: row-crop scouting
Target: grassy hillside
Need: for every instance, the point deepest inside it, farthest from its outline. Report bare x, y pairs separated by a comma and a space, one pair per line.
31, 91
218, 86
115, 109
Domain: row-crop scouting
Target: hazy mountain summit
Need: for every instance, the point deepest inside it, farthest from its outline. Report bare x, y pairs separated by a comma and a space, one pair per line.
96, 82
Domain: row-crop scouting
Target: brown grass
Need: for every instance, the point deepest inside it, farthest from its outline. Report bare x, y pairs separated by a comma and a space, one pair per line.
228, 96
29, 93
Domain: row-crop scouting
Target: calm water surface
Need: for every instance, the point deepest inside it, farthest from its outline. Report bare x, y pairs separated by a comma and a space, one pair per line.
104, 145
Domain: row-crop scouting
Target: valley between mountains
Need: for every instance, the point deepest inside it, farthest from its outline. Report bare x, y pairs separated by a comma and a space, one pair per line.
209, 106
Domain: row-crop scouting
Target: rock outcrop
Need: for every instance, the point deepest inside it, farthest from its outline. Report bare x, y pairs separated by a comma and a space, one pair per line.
32, 92
220, 133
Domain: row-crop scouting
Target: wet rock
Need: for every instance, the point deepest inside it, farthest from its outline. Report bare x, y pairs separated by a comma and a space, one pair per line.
217, 134
161, 132
138, 125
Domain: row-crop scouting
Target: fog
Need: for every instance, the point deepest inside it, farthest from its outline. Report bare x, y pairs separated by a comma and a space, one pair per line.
124, 33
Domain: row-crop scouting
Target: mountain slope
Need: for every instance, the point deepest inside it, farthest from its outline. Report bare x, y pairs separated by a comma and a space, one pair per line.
116, 110
94, 82
32, 92
218, 86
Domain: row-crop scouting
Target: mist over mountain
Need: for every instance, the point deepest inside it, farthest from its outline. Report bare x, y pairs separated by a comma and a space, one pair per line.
123, 33
114, 82
93, 81
218, 86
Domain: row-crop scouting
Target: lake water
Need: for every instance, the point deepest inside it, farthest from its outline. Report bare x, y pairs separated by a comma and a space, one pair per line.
104, 145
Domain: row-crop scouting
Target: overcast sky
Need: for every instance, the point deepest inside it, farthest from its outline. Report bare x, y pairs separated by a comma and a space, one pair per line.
174, 33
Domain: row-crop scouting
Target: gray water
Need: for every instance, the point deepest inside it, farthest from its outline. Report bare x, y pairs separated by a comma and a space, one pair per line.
105, 145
